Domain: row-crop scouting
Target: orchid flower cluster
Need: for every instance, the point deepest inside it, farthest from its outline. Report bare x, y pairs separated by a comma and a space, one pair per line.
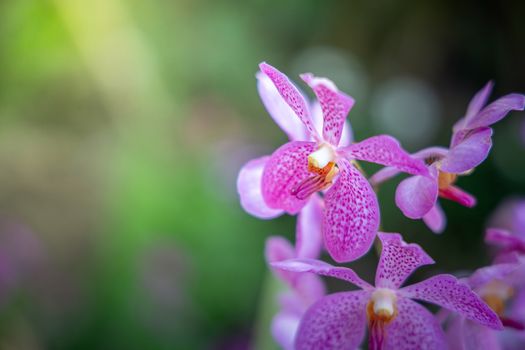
316, 176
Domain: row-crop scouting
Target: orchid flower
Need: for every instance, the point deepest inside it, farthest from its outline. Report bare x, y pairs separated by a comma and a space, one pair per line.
250, 176
501, 286
302, 290
394, 320
299, 170
471, 141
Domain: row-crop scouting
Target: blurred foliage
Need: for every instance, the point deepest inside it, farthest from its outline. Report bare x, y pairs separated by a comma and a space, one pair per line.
123, 125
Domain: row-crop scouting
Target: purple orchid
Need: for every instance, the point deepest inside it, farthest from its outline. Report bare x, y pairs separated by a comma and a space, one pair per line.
394, 320
497, 285
298, 170
302, 289
471, 141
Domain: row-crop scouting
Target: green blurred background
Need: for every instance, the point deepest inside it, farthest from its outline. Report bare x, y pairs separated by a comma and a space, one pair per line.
123, 125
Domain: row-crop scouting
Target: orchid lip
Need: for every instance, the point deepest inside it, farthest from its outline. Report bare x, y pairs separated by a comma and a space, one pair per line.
381, 310
322, 179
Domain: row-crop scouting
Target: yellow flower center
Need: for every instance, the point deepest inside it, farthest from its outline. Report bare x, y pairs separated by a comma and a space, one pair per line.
446, 179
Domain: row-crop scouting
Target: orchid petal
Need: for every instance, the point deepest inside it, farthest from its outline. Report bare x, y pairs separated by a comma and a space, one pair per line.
398, 260
309, 239
317, 117
464, 334
385, 150
478, 101
335, 322
291, 96
478, 337
414, 327
517, 309
417, 195
249, 184
279, 110
284, 327
455, 333
279, 249
505, 239
351, 215
287, 166
316, 113
510, 215
307, 286
435, 219
486, 274
447, 291
469, 153
386, 173
322, 268
434, 152
460, 129
496, 111
456, 194
335, 106
348, 135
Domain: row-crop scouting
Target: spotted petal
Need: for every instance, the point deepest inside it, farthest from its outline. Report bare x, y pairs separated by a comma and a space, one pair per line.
279, 110
496, 111
321, 268
334, 104
447, 291
469, 153
287, 166
385, 150
336, 322
291, 96
398, 260
249, 187
351, 216
316, 111
309, 240
416, 195
413, 328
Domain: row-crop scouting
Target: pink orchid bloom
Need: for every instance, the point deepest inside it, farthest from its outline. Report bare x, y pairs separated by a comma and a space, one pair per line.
302, 289
471, 141
501, 286
298, 170
394, 320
